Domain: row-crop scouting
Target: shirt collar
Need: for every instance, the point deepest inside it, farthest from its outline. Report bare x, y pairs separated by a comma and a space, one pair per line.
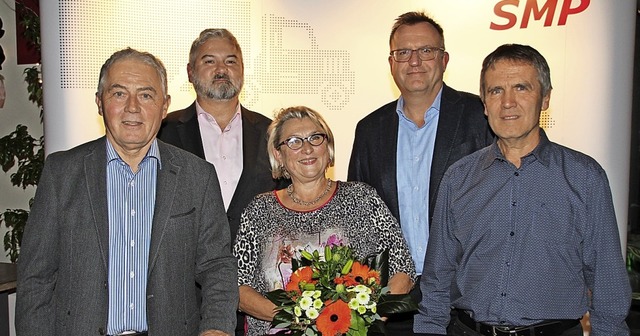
153, 152
435, 106
541, 153
202, 113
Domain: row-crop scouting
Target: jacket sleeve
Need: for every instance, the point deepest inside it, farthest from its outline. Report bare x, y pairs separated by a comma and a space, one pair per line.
216, 268
38, 261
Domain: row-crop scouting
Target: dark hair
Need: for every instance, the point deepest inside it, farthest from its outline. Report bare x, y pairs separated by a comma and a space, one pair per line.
412, 18
518, 53
211, 33
130, 53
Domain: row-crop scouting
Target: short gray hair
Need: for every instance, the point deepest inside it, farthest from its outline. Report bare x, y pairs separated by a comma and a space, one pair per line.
208, 34
130, 53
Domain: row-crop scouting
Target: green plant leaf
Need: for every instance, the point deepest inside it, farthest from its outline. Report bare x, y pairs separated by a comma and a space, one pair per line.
396, 303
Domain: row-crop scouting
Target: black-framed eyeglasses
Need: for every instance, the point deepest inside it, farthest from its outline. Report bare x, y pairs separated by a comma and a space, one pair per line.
296, 143
424, 53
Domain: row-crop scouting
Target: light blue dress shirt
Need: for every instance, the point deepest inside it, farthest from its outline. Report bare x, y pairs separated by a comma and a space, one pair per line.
414, 157
131, 200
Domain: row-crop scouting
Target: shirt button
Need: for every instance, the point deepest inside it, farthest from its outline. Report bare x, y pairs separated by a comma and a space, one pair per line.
132, 183
513, 203
131, 274
131, 305
224, 157
133, 243
512, 233
133, 212
516, 174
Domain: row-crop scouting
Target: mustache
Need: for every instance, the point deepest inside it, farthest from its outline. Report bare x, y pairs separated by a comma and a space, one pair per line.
221, 76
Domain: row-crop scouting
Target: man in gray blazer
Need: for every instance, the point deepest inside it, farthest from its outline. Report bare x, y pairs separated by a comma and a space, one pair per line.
124, 226
403, 148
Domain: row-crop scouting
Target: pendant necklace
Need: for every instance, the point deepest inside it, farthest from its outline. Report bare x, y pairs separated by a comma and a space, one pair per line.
305, 203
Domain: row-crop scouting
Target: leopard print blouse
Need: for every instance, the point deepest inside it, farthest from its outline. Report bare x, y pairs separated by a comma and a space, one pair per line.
271, 234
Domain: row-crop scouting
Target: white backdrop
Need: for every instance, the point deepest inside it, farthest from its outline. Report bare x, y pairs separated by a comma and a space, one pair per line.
332, 56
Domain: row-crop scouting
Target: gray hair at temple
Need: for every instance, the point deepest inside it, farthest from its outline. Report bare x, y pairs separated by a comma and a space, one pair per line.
520, 54
211, 33
130, 53
275, 135
412, 18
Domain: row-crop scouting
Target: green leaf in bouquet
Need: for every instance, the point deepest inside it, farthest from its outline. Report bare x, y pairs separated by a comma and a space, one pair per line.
279, 297
281, 320
395, 303
358, 327
380, 262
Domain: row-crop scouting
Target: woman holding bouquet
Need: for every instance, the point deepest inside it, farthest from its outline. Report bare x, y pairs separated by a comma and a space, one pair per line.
313, 212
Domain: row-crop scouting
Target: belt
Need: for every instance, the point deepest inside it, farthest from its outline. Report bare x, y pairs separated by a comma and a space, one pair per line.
136, 333
545, 328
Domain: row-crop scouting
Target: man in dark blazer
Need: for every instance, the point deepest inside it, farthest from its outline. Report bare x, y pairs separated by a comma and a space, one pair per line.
403, 148
122, 227
217, 72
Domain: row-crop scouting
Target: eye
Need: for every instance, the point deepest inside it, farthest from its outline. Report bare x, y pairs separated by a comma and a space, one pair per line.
494, 91
146, 95
403, 52
231, 61
294, 142
425, 50
521, 87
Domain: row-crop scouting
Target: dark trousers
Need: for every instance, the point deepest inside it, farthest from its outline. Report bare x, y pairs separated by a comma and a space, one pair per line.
457, 328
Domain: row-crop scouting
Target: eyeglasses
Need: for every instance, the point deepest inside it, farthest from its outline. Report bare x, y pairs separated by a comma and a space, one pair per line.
296, 143
424, 53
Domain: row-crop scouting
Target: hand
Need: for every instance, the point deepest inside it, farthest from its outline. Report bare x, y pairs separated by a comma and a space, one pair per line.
213, 333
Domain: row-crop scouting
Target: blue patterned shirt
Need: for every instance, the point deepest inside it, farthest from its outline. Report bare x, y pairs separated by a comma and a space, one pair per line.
131, 200
414, 157
514, 246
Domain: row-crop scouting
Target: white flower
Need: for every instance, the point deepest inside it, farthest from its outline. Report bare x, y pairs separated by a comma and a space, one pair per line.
362, 297
353, 304
305, 302
362, 310
362, 289
312, 313
317, 294
297, 310
317, 304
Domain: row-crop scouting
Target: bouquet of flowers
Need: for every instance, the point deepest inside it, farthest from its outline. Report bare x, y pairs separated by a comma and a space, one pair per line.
334, 294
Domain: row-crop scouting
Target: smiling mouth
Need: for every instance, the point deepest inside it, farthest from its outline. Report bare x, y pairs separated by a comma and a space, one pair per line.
132, 123
308, 161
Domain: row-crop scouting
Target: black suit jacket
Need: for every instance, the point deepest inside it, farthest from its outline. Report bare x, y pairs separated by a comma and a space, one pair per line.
462, 129
180, 128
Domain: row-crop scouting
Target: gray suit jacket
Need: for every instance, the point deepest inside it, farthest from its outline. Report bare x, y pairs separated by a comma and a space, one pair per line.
181, 129
462, 129
63, 267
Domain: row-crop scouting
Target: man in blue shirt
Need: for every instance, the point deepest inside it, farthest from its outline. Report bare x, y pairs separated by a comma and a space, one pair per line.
403, 148
123, 227
524, 239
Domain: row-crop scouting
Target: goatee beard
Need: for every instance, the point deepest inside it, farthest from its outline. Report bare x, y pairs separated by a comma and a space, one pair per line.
217, 91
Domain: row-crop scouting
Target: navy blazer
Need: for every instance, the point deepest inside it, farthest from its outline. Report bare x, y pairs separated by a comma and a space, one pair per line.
462, 129
181, 129
64, 258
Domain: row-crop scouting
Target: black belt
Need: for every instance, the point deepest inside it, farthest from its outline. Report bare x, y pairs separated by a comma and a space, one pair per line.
545, 328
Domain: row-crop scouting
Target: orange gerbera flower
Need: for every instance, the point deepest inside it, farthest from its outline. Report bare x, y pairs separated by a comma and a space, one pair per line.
301, 275
374, 274
334, 319
360, 272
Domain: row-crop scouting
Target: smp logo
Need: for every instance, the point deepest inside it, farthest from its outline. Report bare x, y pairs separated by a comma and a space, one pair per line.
539, 9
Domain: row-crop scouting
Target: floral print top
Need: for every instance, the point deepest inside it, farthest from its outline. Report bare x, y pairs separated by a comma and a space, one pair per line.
270, 235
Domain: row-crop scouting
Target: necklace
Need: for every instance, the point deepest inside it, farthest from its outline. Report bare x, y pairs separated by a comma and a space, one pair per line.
305, 203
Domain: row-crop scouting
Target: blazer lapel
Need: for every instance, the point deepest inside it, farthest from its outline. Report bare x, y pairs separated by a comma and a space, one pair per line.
95, 172
250, 137
165, 193
189, 132
387, 165
448, 128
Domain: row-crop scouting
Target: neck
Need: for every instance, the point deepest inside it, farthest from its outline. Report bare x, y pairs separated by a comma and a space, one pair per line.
417, 103
514, 151
310, 195
221, 110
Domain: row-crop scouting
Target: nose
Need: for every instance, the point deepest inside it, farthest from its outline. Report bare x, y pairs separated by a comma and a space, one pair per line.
307, 147
133, 105
414, 60
508, 100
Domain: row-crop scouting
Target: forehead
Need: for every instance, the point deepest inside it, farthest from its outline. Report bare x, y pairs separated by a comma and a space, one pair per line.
510, 70
417, 35
133, 72
218, 46
297, 126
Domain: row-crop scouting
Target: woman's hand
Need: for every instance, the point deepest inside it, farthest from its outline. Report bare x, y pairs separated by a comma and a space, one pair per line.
400, 283
255, 304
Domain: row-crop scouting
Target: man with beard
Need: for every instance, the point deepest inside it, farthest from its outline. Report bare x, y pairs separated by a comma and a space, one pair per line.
217, 128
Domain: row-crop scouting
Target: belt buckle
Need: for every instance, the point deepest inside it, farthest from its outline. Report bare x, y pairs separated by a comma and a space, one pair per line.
502, 330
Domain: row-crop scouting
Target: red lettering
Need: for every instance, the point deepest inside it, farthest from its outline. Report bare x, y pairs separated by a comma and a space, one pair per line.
567, 10
511, 18
532, 6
